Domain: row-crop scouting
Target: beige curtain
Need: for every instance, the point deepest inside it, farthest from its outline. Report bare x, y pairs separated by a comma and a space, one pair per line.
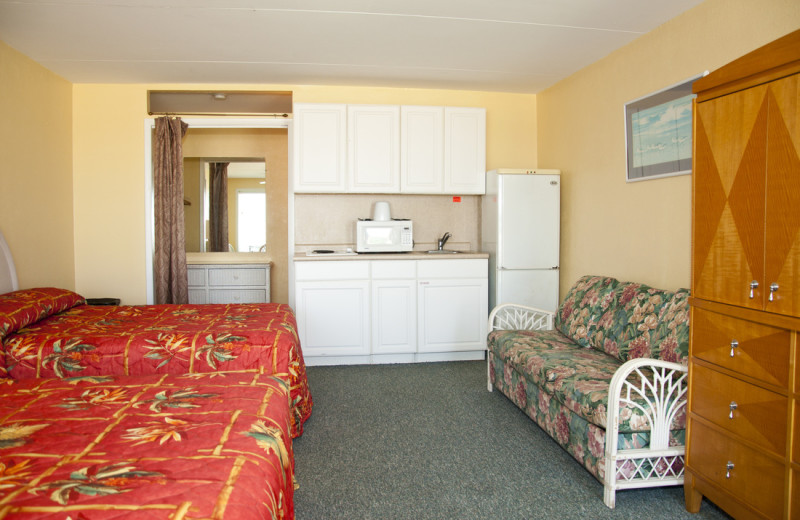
169, 266
218, 207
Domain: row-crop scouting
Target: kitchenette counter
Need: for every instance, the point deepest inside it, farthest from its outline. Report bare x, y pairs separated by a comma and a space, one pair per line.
413, 255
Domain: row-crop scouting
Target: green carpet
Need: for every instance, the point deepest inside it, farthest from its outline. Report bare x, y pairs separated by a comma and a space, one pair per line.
428, 441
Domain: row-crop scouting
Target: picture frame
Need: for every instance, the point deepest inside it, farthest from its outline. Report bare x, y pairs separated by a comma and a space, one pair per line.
658, 133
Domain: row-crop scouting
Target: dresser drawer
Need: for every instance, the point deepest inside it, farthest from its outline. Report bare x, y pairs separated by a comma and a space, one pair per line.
197, 277
747, 410
754, 479
796, 442
795, 494
237, 296
237, 276
750, 348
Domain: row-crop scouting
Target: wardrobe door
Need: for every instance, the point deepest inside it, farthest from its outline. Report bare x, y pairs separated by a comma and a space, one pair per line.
782, 253
729, 198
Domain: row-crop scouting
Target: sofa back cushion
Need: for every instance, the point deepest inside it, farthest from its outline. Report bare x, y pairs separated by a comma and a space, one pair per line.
590, 298
646, 322
671, 337
626, 320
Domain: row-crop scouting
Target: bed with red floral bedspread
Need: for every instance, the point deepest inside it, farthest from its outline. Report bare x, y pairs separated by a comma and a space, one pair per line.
159, 446
51, 332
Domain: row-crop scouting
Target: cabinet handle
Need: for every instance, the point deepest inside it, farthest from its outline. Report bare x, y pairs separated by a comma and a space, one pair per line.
728, 468
753, 285
772, 288
734, 345
733, 407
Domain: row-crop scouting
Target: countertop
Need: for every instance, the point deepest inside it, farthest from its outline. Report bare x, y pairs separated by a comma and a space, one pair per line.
227, 258
413, 255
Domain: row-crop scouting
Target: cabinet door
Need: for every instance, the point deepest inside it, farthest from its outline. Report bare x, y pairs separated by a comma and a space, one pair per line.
373, 163
452, 314
333, 317
421, 149
394, 316
464, 150
746, 226
729, 197
782, 254
320, 149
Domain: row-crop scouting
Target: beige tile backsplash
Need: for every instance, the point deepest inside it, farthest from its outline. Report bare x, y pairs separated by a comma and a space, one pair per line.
329, 220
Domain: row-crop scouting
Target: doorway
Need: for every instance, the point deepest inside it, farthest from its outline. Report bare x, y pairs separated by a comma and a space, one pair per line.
280, 252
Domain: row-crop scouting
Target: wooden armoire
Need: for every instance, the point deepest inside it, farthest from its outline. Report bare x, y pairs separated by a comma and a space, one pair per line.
743, 438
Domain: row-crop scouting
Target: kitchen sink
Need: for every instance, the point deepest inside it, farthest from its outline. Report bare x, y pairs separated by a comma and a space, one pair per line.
442, 252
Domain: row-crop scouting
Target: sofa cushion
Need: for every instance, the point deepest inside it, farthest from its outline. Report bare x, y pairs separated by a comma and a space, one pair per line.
587, 300
671, 336
639, 320
578, 377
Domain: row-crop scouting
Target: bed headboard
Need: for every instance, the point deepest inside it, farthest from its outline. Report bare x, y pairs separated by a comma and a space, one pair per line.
8, 273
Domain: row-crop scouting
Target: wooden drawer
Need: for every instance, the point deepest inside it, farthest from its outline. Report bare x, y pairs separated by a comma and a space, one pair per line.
758, 415
762, 351
796, 433
755, 479
795, 494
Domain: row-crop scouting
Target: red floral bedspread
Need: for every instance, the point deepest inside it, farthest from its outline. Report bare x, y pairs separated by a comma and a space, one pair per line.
50, 333
212, 445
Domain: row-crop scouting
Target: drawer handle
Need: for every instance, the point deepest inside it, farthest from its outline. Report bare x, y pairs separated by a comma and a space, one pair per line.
753, 285
729, 468
734, 345
772, 288
733, 407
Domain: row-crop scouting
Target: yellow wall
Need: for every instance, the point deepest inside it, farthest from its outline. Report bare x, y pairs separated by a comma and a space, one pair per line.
109, 180
36, 173
638, 231
193, 221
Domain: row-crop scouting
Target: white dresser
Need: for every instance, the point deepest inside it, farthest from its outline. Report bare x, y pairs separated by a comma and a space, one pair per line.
229, 283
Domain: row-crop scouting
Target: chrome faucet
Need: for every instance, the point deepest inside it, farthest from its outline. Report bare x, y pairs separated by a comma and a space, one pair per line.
444, 239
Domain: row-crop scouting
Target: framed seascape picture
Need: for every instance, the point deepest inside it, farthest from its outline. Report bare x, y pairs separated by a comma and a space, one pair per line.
658, 133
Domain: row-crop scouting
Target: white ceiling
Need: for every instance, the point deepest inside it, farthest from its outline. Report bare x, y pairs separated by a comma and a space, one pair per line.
493, 45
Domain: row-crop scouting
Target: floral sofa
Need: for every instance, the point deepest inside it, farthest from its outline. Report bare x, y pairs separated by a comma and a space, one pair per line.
604, 376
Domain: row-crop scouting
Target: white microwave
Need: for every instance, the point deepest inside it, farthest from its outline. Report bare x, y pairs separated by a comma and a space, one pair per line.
384, 236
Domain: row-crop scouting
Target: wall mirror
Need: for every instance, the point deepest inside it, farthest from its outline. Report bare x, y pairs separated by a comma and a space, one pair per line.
225, 204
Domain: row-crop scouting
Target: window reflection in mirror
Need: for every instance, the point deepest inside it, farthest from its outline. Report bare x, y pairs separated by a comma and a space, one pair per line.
246, 204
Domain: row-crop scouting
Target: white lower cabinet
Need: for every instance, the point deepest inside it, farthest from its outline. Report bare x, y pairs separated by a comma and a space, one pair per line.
453, 305
387, 311
332, 300
394, 307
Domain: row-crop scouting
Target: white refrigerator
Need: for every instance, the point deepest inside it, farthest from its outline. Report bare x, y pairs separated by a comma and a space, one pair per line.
520, 228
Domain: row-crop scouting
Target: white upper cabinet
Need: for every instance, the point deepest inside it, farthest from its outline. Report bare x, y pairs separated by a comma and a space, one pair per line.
421, 149
320, 148
464, 150
389, 149
373, 137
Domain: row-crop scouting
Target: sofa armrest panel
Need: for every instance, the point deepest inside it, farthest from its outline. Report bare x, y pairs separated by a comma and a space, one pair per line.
658, 391
511, 316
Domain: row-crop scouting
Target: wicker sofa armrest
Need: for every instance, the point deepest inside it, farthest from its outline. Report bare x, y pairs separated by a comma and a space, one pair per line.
512, 316
658, 390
